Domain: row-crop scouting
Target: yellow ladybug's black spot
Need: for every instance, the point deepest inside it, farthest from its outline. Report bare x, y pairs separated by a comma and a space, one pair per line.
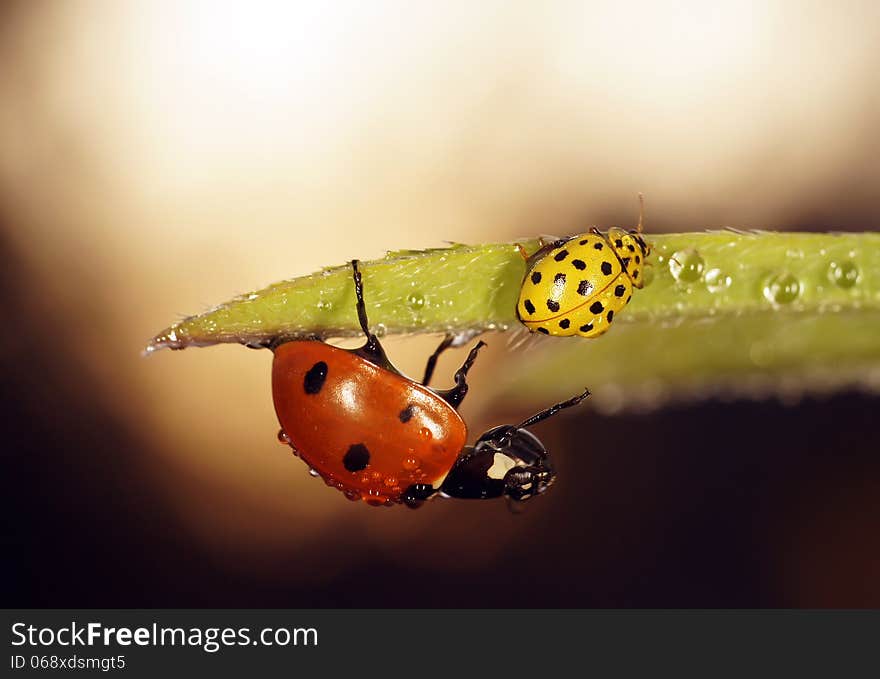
597, 308
529, 306
562, 254
536, 277
585, 288
564, 323
607, 268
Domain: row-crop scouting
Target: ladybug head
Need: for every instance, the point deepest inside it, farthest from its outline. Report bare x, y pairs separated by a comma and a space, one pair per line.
507, 460
519, 458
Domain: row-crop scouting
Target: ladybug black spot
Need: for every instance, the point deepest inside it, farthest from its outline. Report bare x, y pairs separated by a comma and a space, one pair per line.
564, 323
635, 274
584, 241
585, 288
562, 254
597, 308
553, 306
587, 328
638, 260
406, 414
357, 458
606, 268
618, 243
598, 246
631, 247
314, 379
529, 306
536, 277
544, 331
619, 290
559, 278
578, 264
610, 316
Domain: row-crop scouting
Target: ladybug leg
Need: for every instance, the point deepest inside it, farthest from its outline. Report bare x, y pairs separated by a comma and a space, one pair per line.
415, 496
521, 483
361, 307
544, 246
432, 359
372, 349
456, 395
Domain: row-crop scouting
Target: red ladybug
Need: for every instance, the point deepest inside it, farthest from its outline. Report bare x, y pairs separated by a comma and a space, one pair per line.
379, 436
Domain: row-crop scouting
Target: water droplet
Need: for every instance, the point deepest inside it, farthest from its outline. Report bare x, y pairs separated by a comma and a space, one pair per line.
416, 301
314, 472
352, 495
425, 434
783, 288
717, 280
390, 481
843, 274
686, 266
325, 305
411, 463
380, 330
375, 476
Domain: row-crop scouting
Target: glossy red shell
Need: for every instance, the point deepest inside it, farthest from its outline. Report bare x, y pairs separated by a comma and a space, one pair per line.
410, 433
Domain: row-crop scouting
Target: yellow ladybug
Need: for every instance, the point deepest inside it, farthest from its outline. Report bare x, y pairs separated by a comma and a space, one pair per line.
576, 285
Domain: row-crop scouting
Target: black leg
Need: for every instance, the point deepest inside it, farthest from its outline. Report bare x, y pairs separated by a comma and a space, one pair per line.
432, 359
372, 346
359, 294
415, 496
456, 395
552, 410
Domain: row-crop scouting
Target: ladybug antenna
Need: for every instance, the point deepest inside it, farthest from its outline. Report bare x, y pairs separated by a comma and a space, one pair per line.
641, 212
552, 410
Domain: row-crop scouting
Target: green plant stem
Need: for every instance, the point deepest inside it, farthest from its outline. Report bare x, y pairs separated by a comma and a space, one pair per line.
465, 290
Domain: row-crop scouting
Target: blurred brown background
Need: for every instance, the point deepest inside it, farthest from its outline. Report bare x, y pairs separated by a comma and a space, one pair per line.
160, 157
